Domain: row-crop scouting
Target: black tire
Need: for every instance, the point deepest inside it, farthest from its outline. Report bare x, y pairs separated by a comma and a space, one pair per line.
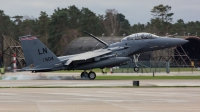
84, 75
33, 71
136, 69
92, 75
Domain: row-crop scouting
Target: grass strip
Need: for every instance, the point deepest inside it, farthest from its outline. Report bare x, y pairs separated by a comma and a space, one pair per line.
130, 70
144, 77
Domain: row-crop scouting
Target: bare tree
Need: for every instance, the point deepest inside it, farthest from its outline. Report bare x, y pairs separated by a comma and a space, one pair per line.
110, 22
66, 38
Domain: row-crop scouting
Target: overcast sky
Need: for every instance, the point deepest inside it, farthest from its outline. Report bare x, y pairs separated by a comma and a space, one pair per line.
136, 11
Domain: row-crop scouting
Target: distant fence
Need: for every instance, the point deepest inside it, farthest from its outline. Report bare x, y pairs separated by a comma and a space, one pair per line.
150, 67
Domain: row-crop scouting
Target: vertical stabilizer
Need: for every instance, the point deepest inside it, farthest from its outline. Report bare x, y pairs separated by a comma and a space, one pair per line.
25, 48
36, 52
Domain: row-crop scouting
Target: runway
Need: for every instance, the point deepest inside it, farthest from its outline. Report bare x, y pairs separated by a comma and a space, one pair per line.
100, 99
96, 83
182, 73
52, 79
95, 95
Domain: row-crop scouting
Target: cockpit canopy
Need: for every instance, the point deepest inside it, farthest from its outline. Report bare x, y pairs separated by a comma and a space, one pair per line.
138, 36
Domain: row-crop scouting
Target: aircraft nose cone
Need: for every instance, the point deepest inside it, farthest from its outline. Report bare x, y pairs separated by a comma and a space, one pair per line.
185, 41
180, 41
176, 41
172, 42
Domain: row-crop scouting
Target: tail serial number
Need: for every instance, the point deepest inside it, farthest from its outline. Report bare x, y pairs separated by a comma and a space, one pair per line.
47, 59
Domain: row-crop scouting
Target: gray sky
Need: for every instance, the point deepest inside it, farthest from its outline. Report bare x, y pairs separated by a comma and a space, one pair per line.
136, 11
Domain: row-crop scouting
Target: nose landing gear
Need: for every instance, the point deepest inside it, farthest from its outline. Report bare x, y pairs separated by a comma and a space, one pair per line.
136, 68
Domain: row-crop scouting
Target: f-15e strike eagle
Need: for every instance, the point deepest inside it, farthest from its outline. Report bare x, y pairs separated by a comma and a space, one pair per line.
40, 59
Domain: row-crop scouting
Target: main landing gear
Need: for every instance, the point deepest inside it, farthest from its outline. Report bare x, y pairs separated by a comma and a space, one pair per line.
91, 75
136, 68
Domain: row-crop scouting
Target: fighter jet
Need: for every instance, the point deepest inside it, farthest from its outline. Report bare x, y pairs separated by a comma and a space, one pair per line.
40, 59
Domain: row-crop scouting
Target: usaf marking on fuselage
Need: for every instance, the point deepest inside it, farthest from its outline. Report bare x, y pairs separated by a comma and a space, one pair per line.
42, 59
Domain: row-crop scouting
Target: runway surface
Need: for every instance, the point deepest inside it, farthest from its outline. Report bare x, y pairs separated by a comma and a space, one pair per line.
95, 83
99, 100
75, 74
47, 79
108, 98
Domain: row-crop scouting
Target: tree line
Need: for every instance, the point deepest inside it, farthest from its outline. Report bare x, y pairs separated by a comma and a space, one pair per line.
64, 25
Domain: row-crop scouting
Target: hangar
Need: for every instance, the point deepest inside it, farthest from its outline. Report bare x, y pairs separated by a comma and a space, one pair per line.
83, 44
192, 49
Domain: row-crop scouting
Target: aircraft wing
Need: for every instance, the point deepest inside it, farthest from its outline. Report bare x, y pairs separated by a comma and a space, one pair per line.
88, 55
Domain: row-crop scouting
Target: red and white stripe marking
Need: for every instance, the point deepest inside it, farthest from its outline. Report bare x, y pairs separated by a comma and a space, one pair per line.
28, 38
111, 70
14, 63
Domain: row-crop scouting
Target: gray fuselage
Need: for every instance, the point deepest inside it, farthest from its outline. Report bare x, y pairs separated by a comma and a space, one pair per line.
138, 43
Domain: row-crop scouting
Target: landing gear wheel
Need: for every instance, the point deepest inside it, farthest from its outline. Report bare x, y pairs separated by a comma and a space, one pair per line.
92, 75
136, 69
33, 72
84, 75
